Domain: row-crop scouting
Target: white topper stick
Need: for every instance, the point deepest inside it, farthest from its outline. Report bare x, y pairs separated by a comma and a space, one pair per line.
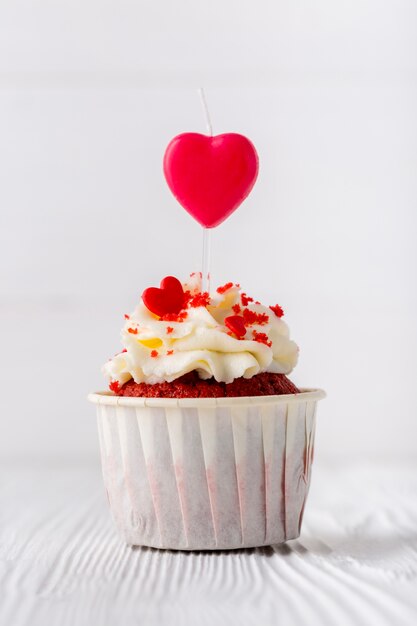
205, 270
206, 111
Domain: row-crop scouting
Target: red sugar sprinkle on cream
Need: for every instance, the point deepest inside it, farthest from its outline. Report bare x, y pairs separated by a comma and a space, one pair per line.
224, 288
236, 309
261, 338
251, 317
127, 317
154, 354
279, 311
173, 317
121, 352
169, 352
187, 297
169, 330
132, 331
245, 299
114, 386
200, 299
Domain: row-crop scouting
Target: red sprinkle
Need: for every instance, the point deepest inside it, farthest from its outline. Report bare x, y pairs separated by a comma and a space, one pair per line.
236, 309
261, 338
245, 299
124, 350
127, 317
251, 317
169, 330
279, 312
114, 386
169, 352
200, 299
224, 288
154, 354
187, 297
132, 331
173, 317
236, 324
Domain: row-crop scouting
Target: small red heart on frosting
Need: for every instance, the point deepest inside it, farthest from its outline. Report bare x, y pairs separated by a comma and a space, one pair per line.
168, 298
210, 176
236, 324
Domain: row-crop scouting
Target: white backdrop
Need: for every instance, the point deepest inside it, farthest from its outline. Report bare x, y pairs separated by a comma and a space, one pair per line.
91, 93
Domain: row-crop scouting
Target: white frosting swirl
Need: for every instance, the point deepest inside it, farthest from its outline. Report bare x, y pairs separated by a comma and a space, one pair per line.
156, 351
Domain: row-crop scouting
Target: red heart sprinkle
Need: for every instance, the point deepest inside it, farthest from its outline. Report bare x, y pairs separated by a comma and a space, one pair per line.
236, 324
210, 176
168, 298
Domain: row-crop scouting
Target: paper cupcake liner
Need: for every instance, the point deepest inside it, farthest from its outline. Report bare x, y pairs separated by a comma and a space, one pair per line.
206, 474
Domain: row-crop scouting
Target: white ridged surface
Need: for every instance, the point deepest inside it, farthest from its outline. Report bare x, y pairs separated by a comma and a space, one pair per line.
62, 563
220, 476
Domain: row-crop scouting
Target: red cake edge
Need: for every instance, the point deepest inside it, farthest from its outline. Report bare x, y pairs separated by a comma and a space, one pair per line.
191, 386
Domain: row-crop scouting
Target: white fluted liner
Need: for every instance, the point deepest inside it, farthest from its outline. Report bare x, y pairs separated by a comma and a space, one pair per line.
208, 473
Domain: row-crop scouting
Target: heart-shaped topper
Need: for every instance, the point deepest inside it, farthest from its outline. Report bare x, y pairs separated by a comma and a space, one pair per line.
210, 176
167, 299
236, 324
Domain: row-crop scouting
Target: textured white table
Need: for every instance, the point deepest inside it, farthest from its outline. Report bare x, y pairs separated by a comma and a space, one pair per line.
61, 562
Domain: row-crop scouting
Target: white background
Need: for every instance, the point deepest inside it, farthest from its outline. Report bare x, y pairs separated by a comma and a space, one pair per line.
91, 93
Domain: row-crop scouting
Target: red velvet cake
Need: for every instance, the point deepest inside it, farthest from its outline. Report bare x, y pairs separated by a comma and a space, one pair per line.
191, 386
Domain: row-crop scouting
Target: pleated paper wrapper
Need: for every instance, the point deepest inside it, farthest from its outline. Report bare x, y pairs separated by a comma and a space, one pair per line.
207, 474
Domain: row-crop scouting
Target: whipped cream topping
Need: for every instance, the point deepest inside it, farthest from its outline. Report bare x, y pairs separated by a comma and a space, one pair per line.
203, 337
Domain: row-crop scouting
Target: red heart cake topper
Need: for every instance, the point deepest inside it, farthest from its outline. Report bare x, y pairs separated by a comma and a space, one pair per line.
168, 298
236, 324
210, 176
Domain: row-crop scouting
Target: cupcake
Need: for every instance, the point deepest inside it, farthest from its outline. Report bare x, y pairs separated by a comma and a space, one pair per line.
205, 441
